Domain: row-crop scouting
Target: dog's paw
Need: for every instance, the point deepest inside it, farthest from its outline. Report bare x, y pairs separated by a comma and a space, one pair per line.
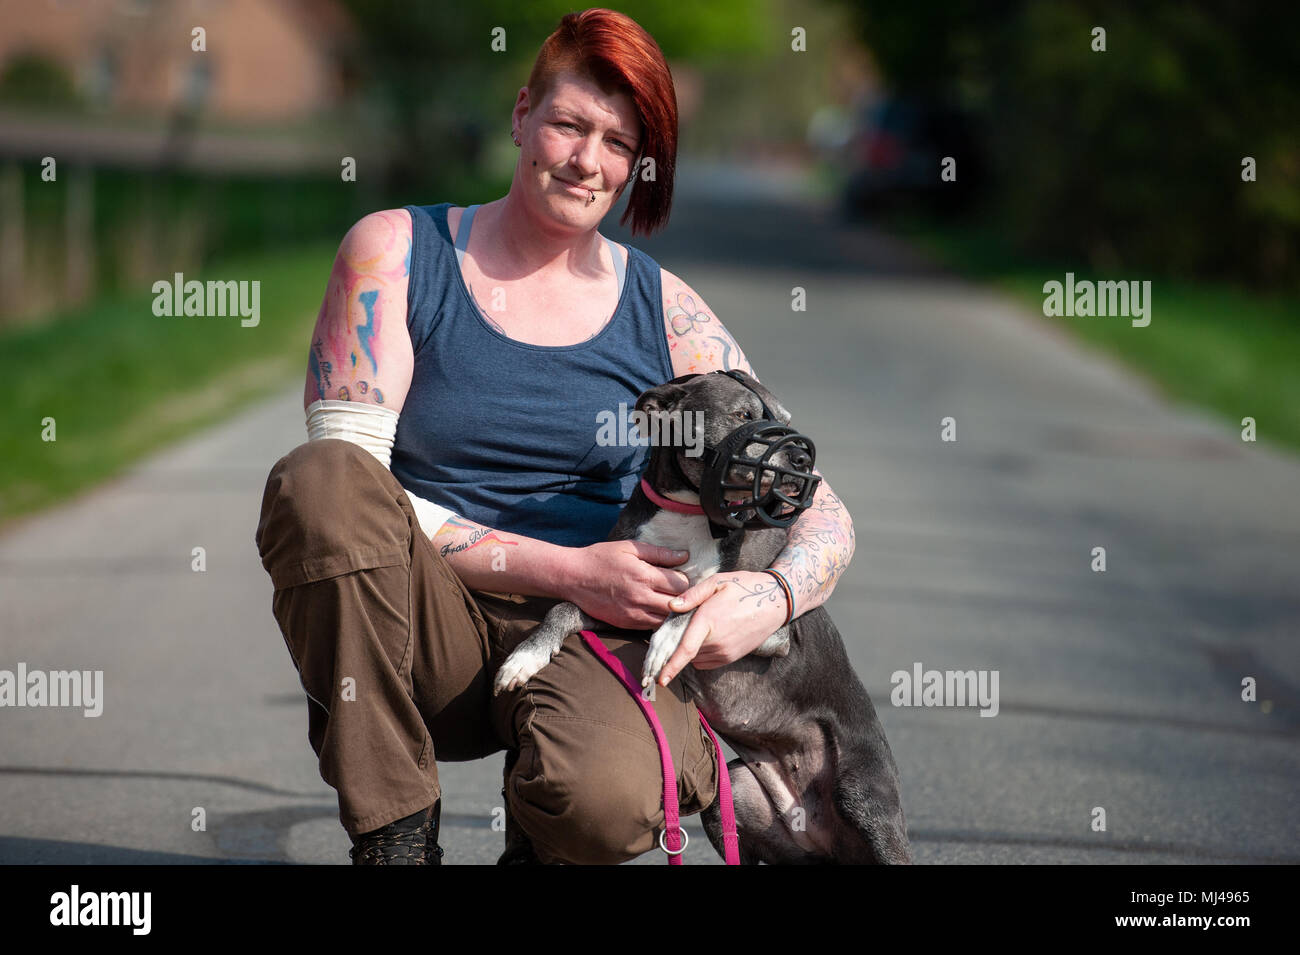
662, 646
520, 667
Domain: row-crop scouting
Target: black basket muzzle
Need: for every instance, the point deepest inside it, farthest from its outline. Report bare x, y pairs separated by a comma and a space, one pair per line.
769, 508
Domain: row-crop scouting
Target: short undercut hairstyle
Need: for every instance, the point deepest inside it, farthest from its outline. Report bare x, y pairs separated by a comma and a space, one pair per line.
613, 51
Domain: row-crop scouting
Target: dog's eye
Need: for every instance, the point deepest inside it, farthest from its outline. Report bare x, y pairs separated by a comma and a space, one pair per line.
744, 415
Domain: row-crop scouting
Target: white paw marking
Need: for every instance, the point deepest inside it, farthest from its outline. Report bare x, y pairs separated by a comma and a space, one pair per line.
662, 645
520, 667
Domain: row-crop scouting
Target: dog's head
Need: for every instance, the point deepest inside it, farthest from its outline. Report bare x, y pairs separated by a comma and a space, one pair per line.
689, 416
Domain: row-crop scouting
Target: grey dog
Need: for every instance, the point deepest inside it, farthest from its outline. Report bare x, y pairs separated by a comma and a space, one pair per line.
816, 781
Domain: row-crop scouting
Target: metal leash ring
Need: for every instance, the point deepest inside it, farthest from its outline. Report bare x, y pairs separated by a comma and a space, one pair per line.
686, 840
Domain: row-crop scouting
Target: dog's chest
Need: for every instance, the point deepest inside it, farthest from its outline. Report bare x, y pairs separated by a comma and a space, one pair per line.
687, 532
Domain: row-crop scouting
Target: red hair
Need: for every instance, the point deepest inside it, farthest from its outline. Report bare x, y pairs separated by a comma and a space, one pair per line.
614, 52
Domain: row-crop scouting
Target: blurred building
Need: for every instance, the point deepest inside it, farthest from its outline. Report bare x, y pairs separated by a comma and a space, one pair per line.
116, 93
266, 61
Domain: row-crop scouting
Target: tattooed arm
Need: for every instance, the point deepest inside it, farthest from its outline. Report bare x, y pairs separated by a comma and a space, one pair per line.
488, 559
748, 607
697, 341
361, 352
360, 348
625, 583
821, 541
818, 551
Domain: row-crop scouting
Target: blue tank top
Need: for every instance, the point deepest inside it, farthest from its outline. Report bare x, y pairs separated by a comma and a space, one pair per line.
531, 439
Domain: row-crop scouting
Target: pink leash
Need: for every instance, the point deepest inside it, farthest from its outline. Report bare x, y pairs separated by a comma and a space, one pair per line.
670, 840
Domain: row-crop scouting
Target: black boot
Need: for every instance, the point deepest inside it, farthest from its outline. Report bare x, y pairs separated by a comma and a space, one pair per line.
519, 850
409, 841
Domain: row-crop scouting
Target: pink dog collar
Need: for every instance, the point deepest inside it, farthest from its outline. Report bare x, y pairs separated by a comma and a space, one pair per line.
669, 504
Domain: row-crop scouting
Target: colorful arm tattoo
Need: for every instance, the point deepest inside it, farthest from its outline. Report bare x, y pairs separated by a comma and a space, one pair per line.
344, 359
818, 550
820, 542
697, 341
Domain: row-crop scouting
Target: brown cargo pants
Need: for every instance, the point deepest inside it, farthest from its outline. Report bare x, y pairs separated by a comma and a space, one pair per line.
397, 658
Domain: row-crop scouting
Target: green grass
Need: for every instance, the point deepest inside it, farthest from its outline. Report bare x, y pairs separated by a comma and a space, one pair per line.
121, 382
1231, 350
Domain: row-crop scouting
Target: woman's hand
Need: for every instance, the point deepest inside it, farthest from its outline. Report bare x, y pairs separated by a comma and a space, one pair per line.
736, 612
625, 583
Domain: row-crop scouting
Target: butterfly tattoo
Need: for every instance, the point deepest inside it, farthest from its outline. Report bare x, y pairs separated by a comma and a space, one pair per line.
686, 317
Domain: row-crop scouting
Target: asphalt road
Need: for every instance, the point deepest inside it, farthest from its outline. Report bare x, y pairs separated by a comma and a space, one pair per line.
1119, 690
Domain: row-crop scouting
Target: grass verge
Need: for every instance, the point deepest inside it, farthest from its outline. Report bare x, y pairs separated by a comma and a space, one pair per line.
120, 382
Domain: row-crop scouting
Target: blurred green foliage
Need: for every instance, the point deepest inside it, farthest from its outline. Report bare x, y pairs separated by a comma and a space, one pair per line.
150, 223
432, 95
119, 381
432, 71
1130, 157
36, 80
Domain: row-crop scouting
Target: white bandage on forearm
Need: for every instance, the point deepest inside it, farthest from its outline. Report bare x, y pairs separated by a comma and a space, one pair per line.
370, 426
374, 428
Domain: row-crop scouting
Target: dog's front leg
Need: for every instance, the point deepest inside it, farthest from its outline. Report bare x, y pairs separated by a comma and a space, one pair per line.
542, 644
663, 644
669, 635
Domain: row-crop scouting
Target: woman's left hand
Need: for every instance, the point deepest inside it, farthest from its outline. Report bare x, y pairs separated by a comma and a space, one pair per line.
736, 612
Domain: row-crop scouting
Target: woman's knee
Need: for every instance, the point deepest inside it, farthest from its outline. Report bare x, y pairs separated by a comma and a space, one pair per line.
583, 812
589, 792
329, 507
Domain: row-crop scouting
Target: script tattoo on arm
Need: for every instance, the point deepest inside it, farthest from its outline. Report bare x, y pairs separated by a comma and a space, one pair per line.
458, 535
818, 550
697, 341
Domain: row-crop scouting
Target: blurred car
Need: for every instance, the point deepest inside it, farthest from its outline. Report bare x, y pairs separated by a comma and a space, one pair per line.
893, 157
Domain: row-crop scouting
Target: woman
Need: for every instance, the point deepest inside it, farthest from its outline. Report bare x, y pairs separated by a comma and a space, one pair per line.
473, 352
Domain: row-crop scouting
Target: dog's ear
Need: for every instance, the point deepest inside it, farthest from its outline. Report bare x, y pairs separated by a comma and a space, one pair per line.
662, 397
769, 399
682, 379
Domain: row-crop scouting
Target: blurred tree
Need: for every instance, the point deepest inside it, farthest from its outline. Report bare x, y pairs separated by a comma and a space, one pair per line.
1131, 156
433, 75
31, 79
